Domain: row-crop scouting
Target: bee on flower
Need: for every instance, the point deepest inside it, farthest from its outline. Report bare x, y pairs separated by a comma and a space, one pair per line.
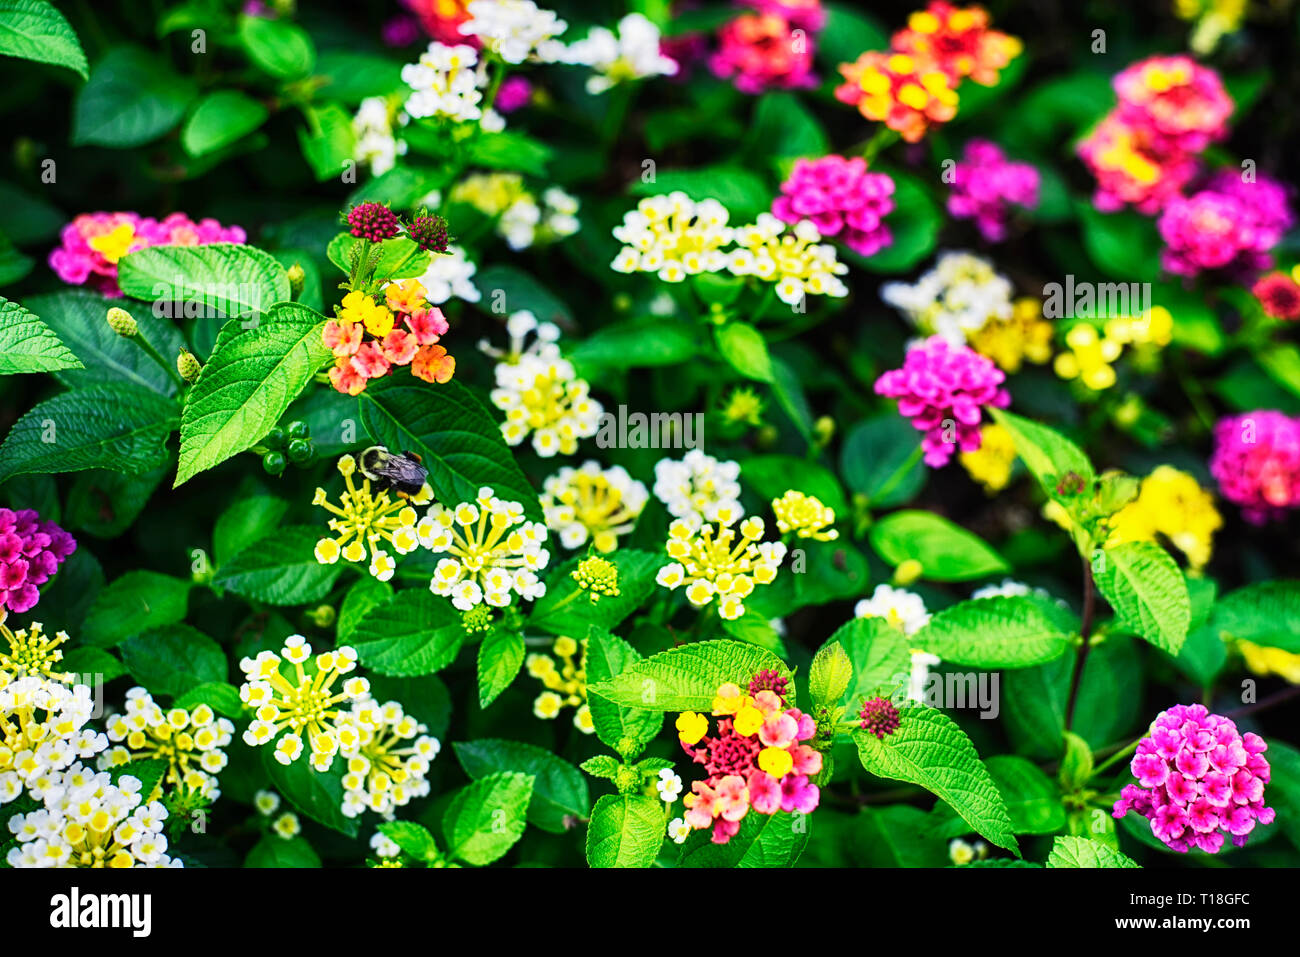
539, 391
190, 741
42, 732
805, 516
592, 504
726, 563
755, 760
88, 821
304, 702
794, 258
697, 487
565, 682
388, 754
365, 521
493, 551
674, 237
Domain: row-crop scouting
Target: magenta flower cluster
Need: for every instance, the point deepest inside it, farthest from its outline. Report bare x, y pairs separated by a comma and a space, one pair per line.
842, 200
93, 243
986, 184
1229, 225
943, 389
30, 552
1198, 779
1256, 461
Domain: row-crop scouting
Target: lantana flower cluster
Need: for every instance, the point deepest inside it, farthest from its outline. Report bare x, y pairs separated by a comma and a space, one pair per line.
985, 185
944, 391
387, 755
755, 760
805, 516
1256, 462
632, 51
190, 741
565, 682
592, 504
43, 730
93, 243
723, 563
31, 550
365, 521
842, 199
1230, 225
697, 487
447, 83
1198, 779
763, 50
913, 86
32, 652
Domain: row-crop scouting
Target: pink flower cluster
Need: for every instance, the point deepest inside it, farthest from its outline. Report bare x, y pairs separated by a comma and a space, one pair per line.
1256, 461
842, 199
1197, 779
943, 389
1145, 150
771, 48
30, 552
93, 243
1229, 225
754, 762
985, 183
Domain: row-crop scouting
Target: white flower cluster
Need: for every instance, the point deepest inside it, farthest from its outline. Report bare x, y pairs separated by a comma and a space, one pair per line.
793, 257
697, 487
42, 732
189, 741
448, 82
592, 503
376, 147
520, 219
388, 756
493, 551
88, 821
450, 274
632, 53
957, 297
539, 391
900, 607
673, 236
384, 846
516, 30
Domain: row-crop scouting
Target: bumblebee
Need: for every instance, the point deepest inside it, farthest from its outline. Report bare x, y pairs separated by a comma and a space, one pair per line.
402, 473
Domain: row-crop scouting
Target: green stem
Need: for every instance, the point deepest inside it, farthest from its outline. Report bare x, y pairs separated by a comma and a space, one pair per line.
1085, 630
1114, 758
143, 342
882, 140
900, 473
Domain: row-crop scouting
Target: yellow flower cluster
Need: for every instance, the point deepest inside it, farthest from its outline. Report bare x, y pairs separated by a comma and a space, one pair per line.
722, 564
1092, 355
189, 741
376, 317
31, 652
805, 515
566, 683
307, 703
1170, 503
592, 503
991, 463
597, 577
1024, 335
794, 258
365, 520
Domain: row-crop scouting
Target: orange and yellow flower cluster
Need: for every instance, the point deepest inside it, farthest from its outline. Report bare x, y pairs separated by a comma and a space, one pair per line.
370, 336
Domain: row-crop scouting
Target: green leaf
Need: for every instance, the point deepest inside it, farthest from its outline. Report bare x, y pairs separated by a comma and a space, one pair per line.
743, 193
1048, 454
567, 608
1265, 613
328, 142
1284, 787
486, 818
1146, 589
280, 569
148, 771
764, 840
899, 835
947, 552
86, 662
414, 839
221, 118
221, 279
105, 503
26, 343
849, 31
279, 47
520, 290
173, 659
635, 343
879, 657
499, 657
130, 99
687, 678
830, 674
35, 30
416, 633
354, 76
626, 830
78, 318
601, 766
559, 789
745, 350
510, 150
276, 851
771, 476
1076, 766
99, 427
929, 750
879, 460
367, 593
318, 794
626, 730
1122, 244
246, 521
1032, 800
450, 430
997, 632
13, 264
247, 384
754, 628
222, 697
783, 128
1081, 852
136, 602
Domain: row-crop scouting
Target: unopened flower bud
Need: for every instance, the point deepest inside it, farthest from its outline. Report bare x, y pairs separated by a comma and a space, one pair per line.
908, 571
187, 364
121, 322
296, 277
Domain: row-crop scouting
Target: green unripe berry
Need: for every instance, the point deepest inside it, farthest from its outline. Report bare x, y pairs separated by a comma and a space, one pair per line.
298, 429
273, 462
300, 450
275, 438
